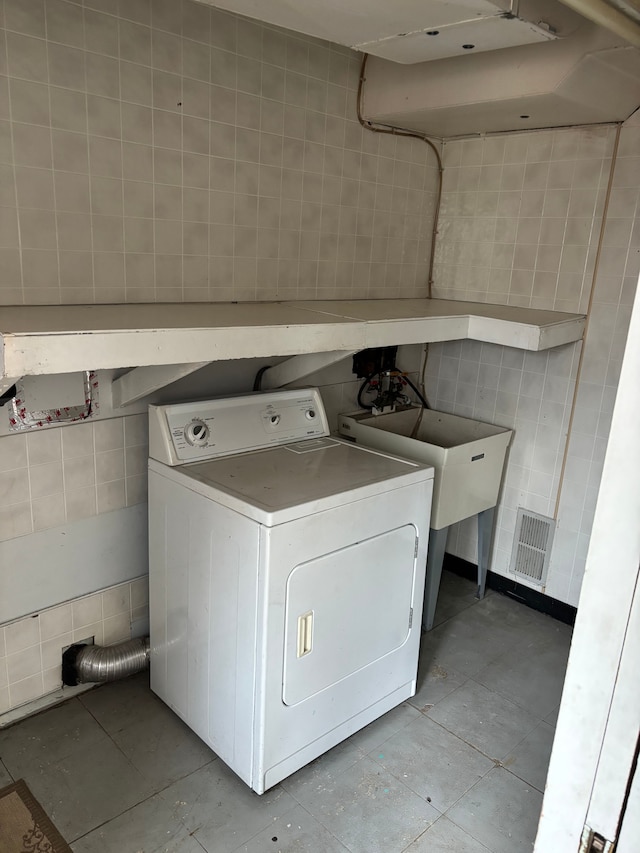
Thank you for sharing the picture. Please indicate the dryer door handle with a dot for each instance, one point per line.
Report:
(305, 633)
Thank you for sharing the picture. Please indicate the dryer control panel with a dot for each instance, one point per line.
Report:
(190, 432)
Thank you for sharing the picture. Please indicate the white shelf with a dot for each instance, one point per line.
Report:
(65, 338)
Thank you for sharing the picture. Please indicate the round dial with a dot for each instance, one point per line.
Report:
(196, 433)
(310, 414)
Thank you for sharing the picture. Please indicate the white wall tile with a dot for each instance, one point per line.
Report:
(95, 630)
(111, 496)
(31, 666)
(51, 679)
(77, 440)
(24, 664)
(44, 446)
(87, 611)
(136, 489)
(139, 593)
(117, 628)
(116, 600)
(46, 479)
(109, 466)
(25, 690)
(80, 503)
(109, 434)
(21, 635)
(13, 452)
(47, 512)
(104, 84)
(544, 242)
(15, 520)
(55, 622)
(52, 650)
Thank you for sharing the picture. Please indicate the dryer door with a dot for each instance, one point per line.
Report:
(347, 609)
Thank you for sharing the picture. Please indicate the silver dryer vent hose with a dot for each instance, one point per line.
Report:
(107, 663)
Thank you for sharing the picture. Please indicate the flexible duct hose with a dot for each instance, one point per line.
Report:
(82, 664)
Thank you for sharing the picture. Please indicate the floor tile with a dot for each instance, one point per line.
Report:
(511, 613)
(295, 832)
(485, 719)
(432, 762)
(380, 730)
(368, 809)
(532, 675)
(86, 788)
(150, 827)
(165, 751)
(501, 812)
(5, 776)
(322, 772)
(220, 811)
(57, 753)
(153, 738)
(445, 837)
(465, 644)
(49, 736)
(116, 705)
(434, 683)
(530, 759)
(552, 718)
(455, 595)
(98, 763)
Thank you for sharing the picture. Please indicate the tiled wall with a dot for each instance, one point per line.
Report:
(614, 291)
(164, 150)
(52, 476)
(521, 219)
(31, 648)
(161, 150)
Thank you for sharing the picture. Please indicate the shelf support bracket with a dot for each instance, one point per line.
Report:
(300, 366)
(7, 383)
(142, 381)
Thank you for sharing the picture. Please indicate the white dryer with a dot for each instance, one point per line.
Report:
(286, 578)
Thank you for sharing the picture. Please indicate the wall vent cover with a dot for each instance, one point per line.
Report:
(532, 546)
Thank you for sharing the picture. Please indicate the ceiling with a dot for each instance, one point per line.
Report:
(410, 31)
(458, 67)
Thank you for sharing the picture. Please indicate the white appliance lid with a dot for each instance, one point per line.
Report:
(279, 480)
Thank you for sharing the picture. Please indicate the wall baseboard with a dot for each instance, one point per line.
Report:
(531, 597)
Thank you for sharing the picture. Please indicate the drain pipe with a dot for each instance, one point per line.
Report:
(82, 664)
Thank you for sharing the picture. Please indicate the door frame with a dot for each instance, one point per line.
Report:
(604, 613)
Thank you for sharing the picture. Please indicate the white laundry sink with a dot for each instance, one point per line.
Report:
(467, 455)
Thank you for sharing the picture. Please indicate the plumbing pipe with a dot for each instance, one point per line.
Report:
(609, 17)
(83, 663)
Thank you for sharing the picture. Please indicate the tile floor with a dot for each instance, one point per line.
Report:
(458, 769)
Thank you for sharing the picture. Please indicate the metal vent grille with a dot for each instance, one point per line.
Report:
(532, 546)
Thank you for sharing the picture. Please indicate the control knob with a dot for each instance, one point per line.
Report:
(196, 433)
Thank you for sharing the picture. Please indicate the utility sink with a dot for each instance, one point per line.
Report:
(467, 455)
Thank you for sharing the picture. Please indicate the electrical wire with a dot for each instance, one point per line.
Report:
(257, 382)
(375, 127)
(416, 390)
(361, 389)
(423, 370)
